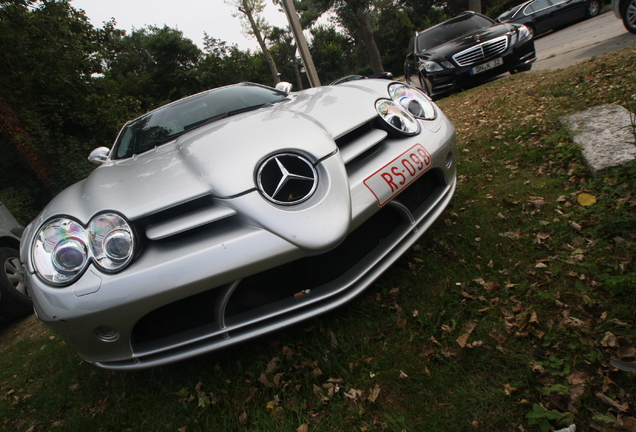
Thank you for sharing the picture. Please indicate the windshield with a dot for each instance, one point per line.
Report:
(451, 29)
(169, 122)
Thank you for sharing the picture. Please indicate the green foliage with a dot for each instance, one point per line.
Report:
(542, 417)
(332, 53)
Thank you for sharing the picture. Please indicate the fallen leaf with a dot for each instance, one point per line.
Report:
(373, 394)
(509, 389)
(272, 366)
(263, 380)
(498, 337)
(302, 428)
(514, 235)
(586, 199)
(287, 352)
(611, 402)
(243, 419)
(463, 339)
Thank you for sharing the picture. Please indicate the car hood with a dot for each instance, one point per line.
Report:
(220, 159)
(454, 46)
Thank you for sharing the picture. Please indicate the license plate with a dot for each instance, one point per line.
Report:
(486, 66)
(394, 177)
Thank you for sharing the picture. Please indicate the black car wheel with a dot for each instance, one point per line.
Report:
(628, 12)
(593, 8)
(14, 296)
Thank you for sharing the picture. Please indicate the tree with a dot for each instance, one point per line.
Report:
(255, 25)
(154, 65)
(355, 16)
(223, 65)
(332, 53)
(51, 102)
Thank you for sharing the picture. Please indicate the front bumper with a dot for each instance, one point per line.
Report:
(223, 283)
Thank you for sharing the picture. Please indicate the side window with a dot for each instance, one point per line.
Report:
(540, 4)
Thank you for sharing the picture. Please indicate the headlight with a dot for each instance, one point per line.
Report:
(430, 66)
(111, 241)
(524, 33)
(396, 118)
(413, 100)
(62, 247)
(513, 38)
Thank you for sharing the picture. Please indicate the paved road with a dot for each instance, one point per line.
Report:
(589, 38)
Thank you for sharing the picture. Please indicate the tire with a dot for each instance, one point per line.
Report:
(593, 8)
(15, 300)
(628, 12)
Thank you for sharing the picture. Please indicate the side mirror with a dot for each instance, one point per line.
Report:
(99, 155)
(284, 86)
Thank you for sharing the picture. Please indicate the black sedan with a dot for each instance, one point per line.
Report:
(466, 50)
(541, 16)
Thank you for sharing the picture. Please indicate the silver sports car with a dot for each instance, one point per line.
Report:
(234, 212)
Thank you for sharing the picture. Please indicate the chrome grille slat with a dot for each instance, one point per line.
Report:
(482, 52)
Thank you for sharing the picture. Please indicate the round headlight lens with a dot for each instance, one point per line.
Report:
(60, 251)
(69, 256)
(63, 248)
(413, 100)
(111, 241)
(396, 117)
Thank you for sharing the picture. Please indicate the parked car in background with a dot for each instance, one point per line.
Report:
(541, 16)
(626, 10)
(466, 50)
(235, 212)
(14, 296)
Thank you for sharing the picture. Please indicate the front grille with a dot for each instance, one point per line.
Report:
(414, 195)
(312, 272)
(482, 52)
(283, 282)
(182, 315)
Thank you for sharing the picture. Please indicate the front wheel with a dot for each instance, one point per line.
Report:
(14, 296)
(593, 8)
(628, 12)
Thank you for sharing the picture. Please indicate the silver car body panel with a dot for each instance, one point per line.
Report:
(238, 234)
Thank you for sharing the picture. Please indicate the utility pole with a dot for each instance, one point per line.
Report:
(301, 42)
(474, 5)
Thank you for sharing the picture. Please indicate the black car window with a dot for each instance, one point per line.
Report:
(508, 14)
(177, 118)
(451, 29)
(537, 6)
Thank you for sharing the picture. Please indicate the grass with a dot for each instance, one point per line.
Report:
(504, 317)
